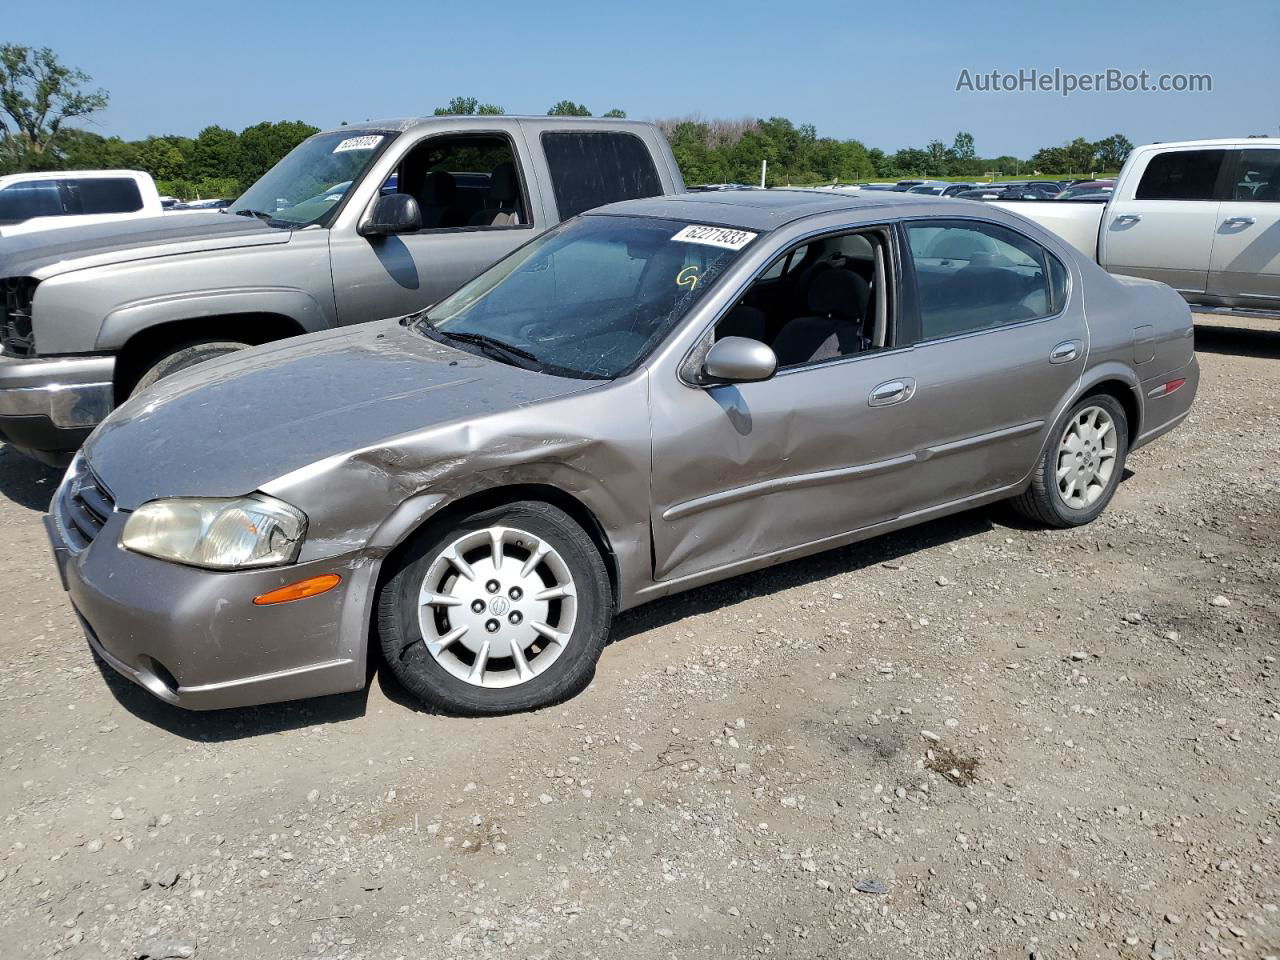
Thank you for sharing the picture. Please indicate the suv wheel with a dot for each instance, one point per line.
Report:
(506, 610)
(183, 357)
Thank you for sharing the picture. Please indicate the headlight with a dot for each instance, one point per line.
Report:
(253, 531)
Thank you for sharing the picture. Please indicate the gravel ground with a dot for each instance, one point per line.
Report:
(969, 739)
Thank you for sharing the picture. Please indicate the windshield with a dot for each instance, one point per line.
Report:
(590, 299)
(307, 184)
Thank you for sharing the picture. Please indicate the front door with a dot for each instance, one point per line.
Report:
(1163, 229)
(1245, 267)
(472, 193)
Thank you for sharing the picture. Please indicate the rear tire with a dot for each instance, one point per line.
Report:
(184, 357)
(1081, 466)
(470, 635)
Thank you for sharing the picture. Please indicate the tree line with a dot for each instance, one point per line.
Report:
(39, 95)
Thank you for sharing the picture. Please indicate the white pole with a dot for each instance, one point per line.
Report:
(764, 166)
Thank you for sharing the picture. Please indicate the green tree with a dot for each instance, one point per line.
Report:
(263, 144)
(1113, 151)
(215, 153)
(567, 108)
(964, 156)
(468, 107)
(616, 114)
(162, 158)
(37, 96)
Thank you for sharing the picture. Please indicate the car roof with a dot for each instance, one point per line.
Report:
(764, 210)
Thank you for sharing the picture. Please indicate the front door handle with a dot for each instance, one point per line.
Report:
(892, 391)
(1065, 352)
(1239, 221)
(1129, 218)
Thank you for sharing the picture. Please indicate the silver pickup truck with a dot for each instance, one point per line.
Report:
(1202, 216)
(355, 224)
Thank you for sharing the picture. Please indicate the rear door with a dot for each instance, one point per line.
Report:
(1245, 266)
(1160, 223)
(1000, 340)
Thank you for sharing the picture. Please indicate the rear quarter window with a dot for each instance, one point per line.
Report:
(590, 169)
(106, 195)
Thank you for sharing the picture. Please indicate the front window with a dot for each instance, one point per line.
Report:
(590, 299)
(306, 186)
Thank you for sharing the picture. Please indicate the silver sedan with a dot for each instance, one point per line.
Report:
(656, 395)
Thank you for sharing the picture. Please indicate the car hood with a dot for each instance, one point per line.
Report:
(230, 426)
(46, 253)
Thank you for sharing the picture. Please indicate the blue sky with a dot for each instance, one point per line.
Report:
(884, 73)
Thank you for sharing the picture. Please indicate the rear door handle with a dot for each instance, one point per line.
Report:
(892, 391)
(1065, 352)
(1239, 221)
(1129, 218)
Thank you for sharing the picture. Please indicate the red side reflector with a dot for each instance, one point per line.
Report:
(312, 586)
(1173, 385)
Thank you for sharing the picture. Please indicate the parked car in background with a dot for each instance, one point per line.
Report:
(902, 186)
(1201, 215)
(94, 314)
(942, 189)
(31, 202)
(1085, 189)
(656, 395)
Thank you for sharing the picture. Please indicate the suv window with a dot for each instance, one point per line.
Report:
(976, 276)
(591, 169)
(464, 181)
(1256, 176)
(34, 198)
(103, 195)
(1181, 175)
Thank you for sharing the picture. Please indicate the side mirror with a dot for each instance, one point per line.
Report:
(739, 360)
(392, 213)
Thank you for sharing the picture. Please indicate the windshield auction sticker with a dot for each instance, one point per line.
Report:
(358, 143)
(715, 236)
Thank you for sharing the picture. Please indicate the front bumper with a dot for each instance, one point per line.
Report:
(193, 637)
(48, 406)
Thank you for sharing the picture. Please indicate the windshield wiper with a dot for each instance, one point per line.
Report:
(264, 217)
(491, 345)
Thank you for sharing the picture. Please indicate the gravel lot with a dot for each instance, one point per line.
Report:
(969, 739)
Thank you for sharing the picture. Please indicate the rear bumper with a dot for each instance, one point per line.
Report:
(194, 638)
(48, 406)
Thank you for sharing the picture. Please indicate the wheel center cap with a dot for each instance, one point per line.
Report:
(499, 605)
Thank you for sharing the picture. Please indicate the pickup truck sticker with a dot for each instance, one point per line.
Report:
(725, 237)
(359, 143)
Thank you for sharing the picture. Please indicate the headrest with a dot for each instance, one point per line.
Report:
(439, 189)
(839, 291)
(504, 189)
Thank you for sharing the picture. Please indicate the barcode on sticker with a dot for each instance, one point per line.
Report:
(358, 143)
(725, 237)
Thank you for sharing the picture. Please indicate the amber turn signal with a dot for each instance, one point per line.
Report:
(310, 587)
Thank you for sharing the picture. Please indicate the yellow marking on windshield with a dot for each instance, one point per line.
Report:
(688, 277)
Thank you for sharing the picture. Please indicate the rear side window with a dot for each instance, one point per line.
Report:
(977, 276)
(1181, 175)
(591, 169)
(1256, 176)
(103, 195)
(34, 198)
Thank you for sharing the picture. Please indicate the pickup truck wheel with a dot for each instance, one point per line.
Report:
(188, 355)
(1081, 466)
(503, 611)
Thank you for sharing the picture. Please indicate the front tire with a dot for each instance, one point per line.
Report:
(183, 357)
(1080, 469)
(503, 611)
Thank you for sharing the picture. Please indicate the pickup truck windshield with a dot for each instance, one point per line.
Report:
(305, 187)
(590, 299)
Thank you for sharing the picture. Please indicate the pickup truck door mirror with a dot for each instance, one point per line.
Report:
(738, 360)
(392, 213)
